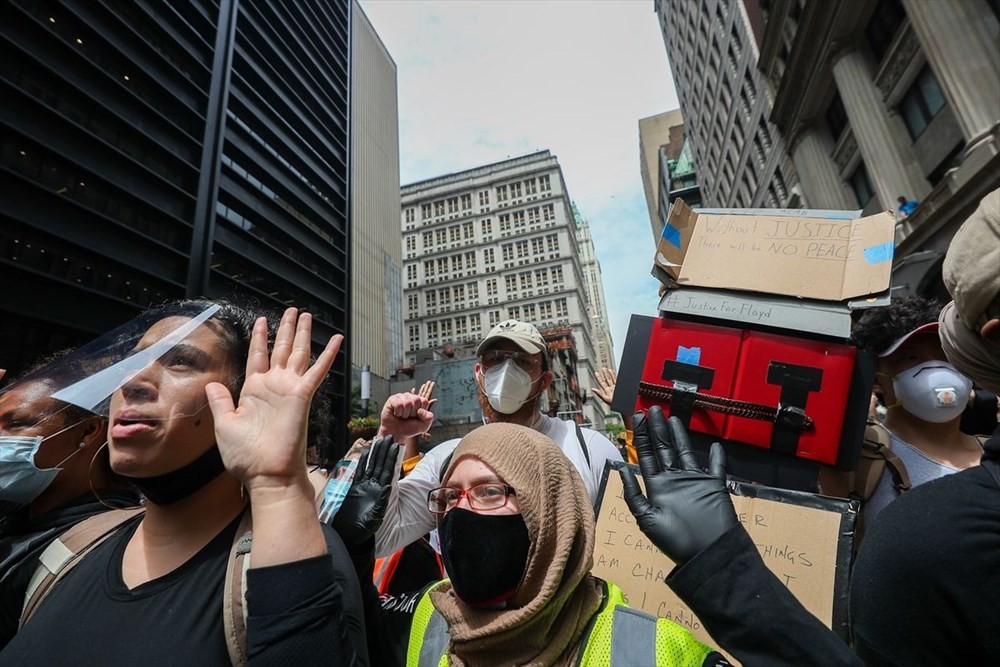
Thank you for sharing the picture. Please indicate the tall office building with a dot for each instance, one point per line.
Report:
(157, 149)
(600, 327)
(491, 243)
(739, 156)
(376, 244)
(887, 98)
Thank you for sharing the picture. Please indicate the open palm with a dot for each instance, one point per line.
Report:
(263, 439)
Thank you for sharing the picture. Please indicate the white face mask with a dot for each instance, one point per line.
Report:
(507, 387)
(933, 391)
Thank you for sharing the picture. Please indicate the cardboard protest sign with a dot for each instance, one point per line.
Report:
(805, 539)
(832, 255)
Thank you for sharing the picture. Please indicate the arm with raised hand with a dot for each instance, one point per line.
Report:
(689, 515)
(297, 609)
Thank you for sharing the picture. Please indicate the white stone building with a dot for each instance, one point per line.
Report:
(492, 243)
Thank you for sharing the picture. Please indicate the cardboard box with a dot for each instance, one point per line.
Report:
(805, 539)
(827, 255)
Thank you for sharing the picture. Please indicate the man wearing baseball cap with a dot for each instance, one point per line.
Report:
(924, 397)
(926, 583)
(512, 374)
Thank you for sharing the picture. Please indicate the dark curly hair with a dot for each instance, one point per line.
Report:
(879, 327)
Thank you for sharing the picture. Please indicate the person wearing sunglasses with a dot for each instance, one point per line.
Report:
(512, 377)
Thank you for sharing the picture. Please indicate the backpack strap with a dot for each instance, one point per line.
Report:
(876, 457)
(234, 611)
(64, 552)
(583, 443)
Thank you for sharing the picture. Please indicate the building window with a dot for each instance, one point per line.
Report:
(530, 186)
(454, 233)
(526, 280)
(514, 312)
(411, 243)
(557, 275)
(432, 300)
(543, 183)
(411, 272)
(501, 193)
(533, 216)
(552, 241)
(537, 246)
(439, 208)
(508, 251)
(411, 214)
(836, 118)
(453, 204)
(412, 301)
(470, 260)
(861, 183)
(487, 227)
(440, 236)
(504, 222)
(561, 308)
(883, 25)
(491, 287)
(548, 212)
(475, 325)
(494, 318)
(510, 284)
(515, 190)
(518, 219)
(488, 256)
(484, 198)
(425, 211)
(466, 202)
(921, 102)
(468, 230)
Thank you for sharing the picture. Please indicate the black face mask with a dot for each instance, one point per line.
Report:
(181, 483)
(484, 554)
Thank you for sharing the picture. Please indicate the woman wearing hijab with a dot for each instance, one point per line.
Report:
(517, 541)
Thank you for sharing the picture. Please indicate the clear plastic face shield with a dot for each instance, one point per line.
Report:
(146, 378)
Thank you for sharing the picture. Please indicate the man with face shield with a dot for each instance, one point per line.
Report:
(511, 376)
(926, 583)
(54, 472)
(924, 395)
(208, 422)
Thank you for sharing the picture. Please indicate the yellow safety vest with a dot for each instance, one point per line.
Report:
(618, 636)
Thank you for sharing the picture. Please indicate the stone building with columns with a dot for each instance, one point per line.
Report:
(878, 99)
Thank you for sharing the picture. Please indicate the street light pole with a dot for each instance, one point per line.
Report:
(366, 388)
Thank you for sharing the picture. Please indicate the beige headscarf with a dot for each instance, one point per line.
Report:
(544, 622)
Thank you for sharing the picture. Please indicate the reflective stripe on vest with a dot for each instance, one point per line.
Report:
(618, 636)
(428, 644)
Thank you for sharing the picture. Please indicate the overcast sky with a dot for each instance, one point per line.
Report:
(480, 81)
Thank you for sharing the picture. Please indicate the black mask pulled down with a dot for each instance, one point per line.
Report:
(484, 554)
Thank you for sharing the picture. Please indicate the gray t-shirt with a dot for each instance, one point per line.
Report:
(920, 467)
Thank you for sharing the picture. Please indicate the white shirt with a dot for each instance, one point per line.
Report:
(407, 517)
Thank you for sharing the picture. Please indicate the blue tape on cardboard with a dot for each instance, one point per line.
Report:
(877, 254)
(672, 234)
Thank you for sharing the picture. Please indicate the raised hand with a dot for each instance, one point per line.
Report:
(406, 415)
(263, 439)
(607, 380)
(685, 510)
(363, 509)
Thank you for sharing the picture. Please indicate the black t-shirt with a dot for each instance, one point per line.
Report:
(296, 611)
(926, 584)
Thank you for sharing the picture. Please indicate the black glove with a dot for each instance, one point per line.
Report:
(363, 509)
(687, 510)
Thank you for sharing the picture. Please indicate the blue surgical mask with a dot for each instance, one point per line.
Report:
(21, 481)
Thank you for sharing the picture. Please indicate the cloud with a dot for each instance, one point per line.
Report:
(481, 81)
